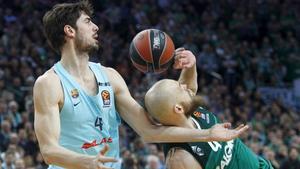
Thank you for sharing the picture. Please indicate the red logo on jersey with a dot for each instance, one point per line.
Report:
(197, 114)
(94, 143)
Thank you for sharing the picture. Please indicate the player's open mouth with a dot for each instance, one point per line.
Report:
(96, 37)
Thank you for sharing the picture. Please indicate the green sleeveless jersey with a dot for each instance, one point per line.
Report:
(233, 154)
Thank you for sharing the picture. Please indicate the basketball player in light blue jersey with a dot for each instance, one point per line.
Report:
(78, 103)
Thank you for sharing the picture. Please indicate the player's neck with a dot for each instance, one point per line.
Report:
(75, 62)
(186, 123)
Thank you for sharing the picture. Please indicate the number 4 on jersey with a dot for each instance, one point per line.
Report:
(99, 123)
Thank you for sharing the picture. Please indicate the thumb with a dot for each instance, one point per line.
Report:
(104, 149)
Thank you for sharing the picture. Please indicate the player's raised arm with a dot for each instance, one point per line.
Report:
(135, 116)
(186, 60)
(47, 97)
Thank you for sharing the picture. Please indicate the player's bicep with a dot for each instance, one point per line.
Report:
(46, 119)
(178, 158)
(132, 112)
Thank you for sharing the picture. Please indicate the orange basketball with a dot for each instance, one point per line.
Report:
(152, 50)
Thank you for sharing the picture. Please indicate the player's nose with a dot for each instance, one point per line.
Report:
(95, 28)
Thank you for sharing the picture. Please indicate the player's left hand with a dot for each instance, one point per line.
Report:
(184, 59)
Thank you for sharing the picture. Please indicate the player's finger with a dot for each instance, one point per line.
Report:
(179, 55)
(243, 129)
(101, 166)
(187, 64)
(226, 125)
(177, 65)
(104, 149)
(183, 60)
(104, 159)
(240, 126)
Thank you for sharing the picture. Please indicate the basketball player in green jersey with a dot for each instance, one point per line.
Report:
(174, 103)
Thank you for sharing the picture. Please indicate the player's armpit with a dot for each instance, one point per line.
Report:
(178, 158)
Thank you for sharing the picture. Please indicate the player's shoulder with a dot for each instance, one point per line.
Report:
(113, 74)
(48, 80)
(110, 70)
(115, 79)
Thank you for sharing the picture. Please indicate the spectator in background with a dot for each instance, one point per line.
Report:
(4, 134)
(14, 114)
(292, 161)
(9, 160)
(152, 162)
(19, 164)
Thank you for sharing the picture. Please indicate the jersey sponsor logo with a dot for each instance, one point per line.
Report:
(104, 84)
(94, 143)
(227, 156)
(198, 150)
(105, 97)
(214, 145)
(76, 104)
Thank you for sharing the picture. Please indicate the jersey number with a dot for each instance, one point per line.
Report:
(215, 146)
(99, 123)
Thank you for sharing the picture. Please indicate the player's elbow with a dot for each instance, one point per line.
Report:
(48, 155)
(151, 135)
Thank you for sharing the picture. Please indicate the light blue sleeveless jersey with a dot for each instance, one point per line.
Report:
(88, 122)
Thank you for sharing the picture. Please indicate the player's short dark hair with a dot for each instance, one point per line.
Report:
(60, 15)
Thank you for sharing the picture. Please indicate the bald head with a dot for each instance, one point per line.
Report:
(169, 102)
(161, 98)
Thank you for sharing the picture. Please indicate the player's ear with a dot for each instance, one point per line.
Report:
(69, 31)
(178, 109)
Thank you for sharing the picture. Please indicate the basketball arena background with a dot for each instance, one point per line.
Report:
(247, 58)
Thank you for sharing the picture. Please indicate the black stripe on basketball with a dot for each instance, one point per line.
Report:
(157, 38)
(135, 56)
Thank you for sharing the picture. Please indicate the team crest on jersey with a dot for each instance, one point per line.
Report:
(105, 97)
(75, 97)
(197, 114)
(74, 93)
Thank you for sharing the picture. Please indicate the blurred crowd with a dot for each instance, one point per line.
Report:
(240, 46)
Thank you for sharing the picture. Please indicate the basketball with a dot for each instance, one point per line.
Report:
(152, 50)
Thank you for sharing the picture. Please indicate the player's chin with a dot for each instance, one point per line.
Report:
(96, 45)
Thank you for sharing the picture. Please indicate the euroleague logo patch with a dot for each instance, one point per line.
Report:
(75, 97)
(105, 98)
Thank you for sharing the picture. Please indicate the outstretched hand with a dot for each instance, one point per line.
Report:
(101, 159)
(222, 132)
(184, 59)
